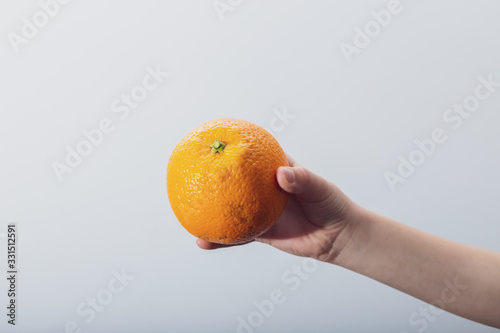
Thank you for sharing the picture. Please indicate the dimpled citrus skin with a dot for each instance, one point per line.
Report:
(226, 197)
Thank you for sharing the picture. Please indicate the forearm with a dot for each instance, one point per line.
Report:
(464, 280)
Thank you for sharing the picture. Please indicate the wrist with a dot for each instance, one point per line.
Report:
(351, 242)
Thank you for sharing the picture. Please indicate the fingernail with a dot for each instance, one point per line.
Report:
(289, 175)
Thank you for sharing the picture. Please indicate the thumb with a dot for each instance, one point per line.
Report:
(307, 185)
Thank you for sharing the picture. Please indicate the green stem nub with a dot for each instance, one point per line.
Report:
(217, 146)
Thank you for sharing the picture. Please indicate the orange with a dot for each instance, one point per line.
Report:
(221, 181)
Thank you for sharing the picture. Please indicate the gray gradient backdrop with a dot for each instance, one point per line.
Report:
(352, 120)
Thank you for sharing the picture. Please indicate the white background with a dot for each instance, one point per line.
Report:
(352, 121)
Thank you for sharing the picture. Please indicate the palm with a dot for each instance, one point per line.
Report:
(310, 222)
(305, 229)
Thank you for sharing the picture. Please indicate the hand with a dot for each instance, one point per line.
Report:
(322, 223)
(316, 214)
